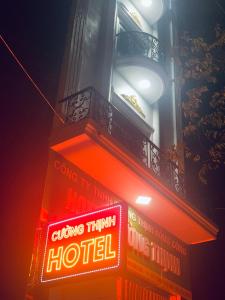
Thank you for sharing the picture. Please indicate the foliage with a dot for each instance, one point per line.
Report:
(203, 82)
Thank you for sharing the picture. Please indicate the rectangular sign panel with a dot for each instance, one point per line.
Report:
(83, 244)
(156, 255)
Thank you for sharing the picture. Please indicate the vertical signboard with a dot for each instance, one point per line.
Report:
(156, 255)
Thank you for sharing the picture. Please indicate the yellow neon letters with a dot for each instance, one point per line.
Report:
(99, 248)
(54, 259)
(87, 251)
(70, 260)
(109, 254)
(86, 246)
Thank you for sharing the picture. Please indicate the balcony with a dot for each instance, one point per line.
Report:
(138, 43)
(138, 60)
(99, 140)
(89, 104)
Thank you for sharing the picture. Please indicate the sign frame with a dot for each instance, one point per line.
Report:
(120, 249)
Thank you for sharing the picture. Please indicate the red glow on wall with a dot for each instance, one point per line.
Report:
(82, 245)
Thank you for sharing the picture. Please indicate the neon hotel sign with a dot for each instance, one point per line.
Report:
(82, 245)
(91, 243)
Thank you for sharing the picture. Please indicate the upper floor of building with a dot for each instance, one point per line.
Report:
(121, 107)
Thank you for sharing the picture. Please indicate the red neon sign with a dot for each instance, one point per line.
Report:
(82, 245)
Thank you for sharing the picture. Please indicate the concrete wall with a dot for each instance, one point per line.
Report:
(169, 104)
(98, 45)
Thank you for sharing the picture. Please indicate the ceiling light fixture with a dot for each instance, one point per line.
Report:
(146, 3)
(143, 200)
(144, 84)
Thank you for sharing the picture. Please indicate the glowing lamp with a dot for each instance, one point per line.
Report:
(146, 3)
(143, 200)
(144, 84)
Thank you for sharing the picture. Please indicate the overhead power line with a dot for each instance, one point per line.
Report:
(220, 7)
(12, 53)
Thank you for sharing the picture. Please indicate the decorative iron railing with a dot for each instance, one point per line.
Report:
(138, 43)
(89, 104)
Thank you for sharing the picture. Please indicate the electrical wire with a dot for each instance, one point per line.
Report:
(30, 79)
(220, 7)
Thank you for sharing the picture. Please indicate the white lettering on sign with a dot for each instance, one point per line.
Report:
(96, 225)
(153, 251)
(68, 231)
(137, 241)
(157, 232)
(100, 224)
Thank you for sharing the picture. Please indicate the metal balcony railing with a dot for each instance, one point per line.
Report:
(138, 43)
(90, 105)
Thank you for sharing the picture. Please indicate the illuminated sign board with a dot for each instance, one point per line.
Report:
(156, 255)
(83, 244)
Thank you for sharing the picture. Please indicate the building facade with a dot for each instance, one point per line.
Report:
(114, 222)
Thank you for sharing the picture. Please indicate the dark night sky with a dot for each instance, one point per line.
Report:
(208, 261)
(36, 30)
